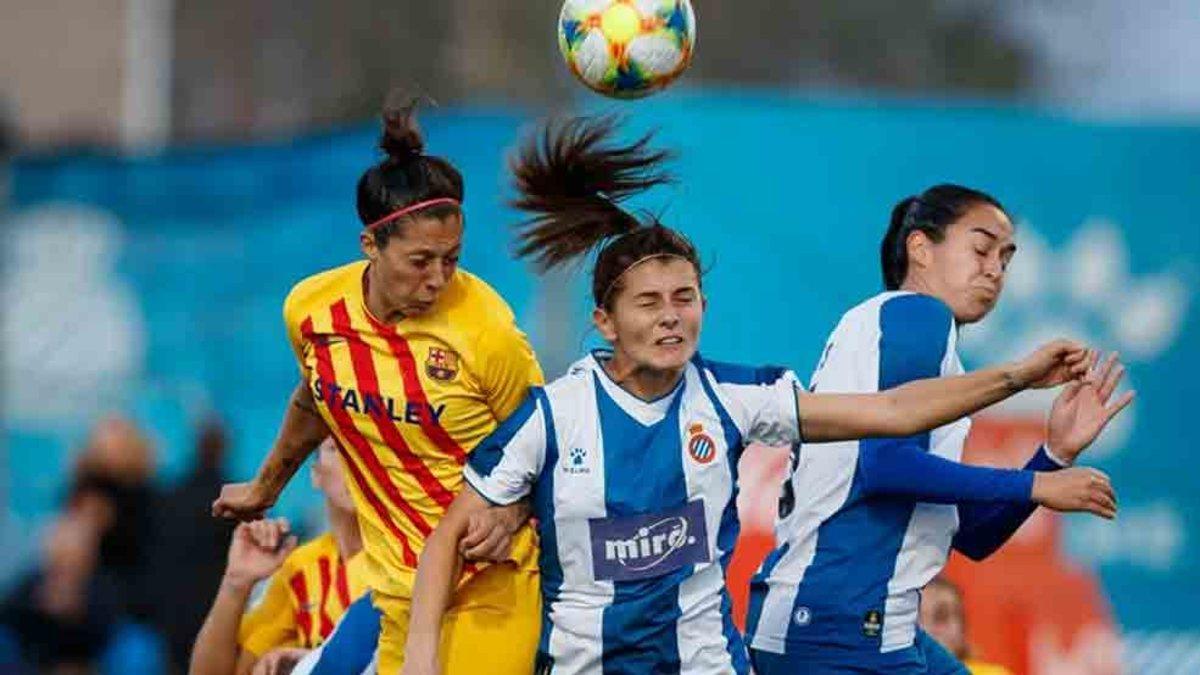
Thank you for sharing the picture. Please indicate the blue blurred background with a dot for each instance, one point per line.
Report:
(145, 262)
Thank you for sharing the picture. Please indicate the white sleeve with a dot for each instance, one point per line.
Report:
(765, 408)
(504, 466)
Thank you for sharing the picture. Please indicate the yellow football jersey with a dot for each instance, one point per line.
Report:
(304, 599)
(407, 402)
(981, 668)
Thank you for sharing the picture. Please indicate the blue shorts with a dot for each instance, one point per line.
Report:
(924, 657)
(350, 650)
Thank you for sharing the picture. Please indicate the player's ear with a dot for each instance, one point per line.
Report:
(919, 246)
(367, 243)
(604, 323)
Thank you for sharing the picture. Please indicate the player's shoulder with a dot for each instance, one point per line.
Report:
(309, 553)
(725, 372)
(474, 304)
(912, 308)
(322, 289)
(479, 297)
(896, 312)
(578, 379)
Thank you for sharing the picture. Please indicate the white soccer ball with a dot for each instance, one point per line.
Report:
(627, 48)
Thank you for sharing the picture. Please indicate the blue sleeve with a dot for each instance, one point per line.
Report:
(907, 470)
(914, 333)
(983, 528)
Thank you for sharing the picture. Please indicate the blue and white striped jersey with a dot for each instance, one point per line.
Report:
(847, 569)
(635, 503)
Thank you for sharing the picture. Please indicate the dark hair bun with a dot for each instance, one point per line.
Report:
(402, 140)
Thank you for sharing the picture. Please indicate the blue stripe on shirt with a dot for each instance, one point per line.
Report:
(858, 545)
(639, 627)
(488, 453)
(543, 508)
(730, 526)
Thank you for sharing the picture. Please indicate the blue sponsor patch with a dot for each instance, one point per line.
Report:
(649, 545)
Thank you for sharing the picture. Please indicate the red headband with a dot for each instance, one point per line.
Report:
(447, 201)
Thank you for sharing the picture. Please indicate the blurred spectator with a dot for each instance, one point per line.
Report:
(191, 545)
(78, 611)
(64, 614)
(118, 461)
(942, 617)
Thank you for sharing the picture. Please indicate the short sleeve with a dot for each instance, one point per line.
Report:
(270, 623)
(762, 401)
(509, 368)
(504, 466)
(914, 336)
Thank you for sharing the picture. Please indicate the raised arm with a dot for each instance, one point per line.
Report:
(257, 551)
(302, 431)
(926, 404)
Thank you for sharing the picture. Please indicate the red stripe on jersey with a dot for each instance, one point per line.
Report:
(410, 558)
(368, 383)
(416, 394)
(343, 588)
(326, 586)
(363, 449)
(303, 613)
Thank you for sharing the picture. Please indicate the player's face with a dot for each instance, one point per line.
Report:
(966, 269)
(329, 476)
(656, 315)
(417, 262)
(942, 617)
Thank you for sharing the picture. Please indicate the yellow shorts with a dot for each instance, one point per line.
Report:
(492, 627)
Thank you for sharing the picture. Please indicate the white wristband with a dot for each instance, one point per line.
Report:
(1053, 457)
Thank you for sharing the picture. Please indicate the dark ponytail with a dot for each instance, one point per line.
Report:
(931, 212)
(406, 176)
(572, 179)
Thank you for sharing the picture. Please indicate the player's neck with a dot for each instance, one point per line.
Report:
(644, 383)
(377, 304)
(917, 284)
(344, 527)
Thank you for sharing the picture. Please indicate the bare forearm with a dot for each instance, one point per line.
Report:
(432, 591)
(302, 431)
(927, 404)
(911, 408)
(216, 648)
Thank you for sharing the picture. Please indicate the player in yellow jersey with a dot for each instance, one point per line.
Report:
(310, 586)
(942, 616)
(409, 362)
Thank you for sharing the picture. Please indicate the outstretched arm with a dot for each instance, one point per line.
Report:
(1078, 416)
(302, 431)
(926, 404)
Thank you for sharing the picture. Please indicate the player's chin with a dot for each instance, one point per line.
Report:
(976, 309)
(672, 356)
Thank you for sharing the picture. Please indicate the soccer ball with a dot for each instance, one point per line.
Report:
(627, 48)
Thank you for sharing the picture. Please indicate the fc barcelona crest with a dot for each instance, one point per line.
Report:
(442, 364)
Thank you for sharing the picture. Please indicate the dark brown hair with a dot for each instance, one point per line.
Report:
(572, 179)
(406, 176)
(930, 212)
